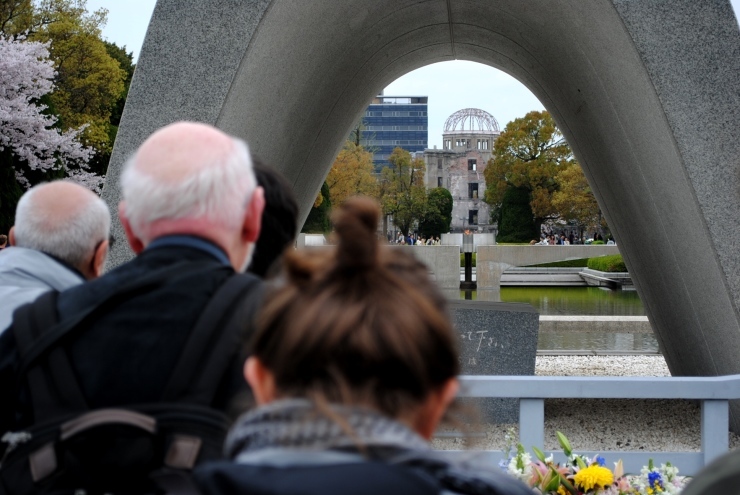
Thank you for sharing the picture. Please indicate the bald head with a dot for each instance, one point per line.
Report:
(55, 203)
(62, 219)
(182, 150)
(188, 178)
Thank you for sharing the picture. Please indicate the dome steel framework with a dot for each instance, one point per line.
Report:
(471, 120)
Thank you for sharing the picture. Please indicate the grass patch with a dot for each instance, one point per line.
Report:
(612, 263)
(579, 263)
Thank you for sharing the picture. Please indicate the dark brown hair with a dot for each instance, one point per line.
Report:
(363, 325)
(279, 219)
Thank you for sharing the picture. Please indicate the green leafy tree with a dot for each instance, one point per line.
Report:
(99, 162)
(126, 62)
(89, 82)
(528, 155)
(574, 199)
(438, 213)
(515, 220)
(318, 221)
(402, 191)
(16, 16)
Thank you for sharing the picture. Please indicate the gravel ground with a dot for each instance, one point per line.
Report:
(604, 424)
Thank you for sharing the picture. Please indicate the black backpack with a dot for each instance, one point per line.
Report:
(125, 450)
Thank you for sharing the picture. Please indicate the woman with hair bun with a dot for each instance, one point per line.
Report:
(353, 365)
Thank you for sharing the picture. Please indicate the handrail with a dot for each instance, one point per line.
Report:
(725, 387)
(713, 392)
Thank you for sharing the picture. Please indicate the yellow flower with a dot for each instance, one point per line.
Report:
(592, 477)
(562, 490)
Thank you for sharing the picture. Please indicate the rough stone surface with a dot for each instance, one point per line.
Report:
(621, 324)
(645, 93)
(443, 263)
(496, 339)
(187, 64)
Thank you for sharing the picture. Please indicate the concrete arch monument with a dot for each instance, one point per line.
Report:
(645, 91)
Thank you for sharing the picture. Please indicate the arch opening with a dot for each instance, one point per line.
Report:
(635, 87)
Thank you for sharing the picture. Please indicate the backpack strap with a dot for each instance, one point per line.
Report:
(53, 387)
(52, 382)
(213, 341)
(72, 326)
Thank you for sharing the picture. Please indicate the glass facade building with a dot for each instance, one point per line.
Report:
(395, 121)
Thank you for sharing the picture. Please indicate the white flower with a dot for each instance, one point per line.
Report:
(521, 459)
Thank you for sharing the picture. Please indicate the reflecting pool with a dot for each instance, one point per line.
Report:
(573, 300)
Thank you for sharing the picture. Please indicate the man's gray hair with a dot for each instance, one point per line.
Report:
(217, 193)
(68, 236)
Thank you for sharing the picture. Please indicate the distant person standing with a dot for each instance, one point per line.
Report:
(3, 241)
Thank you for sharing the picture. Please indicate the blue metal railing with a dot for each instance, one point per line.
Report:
(713, 393)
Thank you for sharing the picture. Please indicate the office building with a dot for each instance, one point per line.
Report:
(395, 121)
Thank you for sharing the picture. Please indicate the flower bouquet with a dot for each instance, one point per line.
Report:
(581, 475)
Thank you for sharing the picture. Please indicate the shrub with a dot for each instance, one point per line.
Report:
(613, 263)
(597, 243)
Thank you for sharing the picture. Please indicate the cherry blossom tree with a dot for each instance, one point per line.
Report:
(37, 148)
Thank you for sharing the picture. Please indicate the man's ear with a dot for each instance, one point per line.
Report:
(136, 244)
(253, 216)
(11, 236)
(98, 259)
(260, 379)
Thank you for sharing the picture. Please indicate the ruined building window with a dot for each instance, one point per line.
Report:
(439, 181)
(472, 164)
(439, 163)
(473, 217)
(483, 144)
(448, 144)
(473, 190)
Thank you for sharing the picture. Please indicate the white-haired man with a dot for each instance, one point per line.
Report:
(60, 239)
(156, 329)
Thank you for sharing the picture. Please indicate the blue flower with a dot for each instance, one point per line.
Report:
(655, 479)
(600, 460)
(504, 463)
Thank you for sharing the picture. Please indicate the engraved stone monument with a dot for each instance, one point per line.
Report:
(496, 339)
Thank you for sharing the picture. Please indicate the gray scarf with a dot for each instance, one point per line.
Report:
(297, 424)
(294, 432)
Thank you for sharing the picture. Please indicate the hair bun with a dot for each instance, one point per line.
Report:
(356, 223)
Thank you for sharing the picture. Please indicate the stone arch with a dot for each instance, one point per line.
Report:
(645, 92)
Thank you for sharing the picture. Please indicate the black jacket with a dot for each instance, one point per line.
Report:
(289, 447)
(127, 356)
(337, 477)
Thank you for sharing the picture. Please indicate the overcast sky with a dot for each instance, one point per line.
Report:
(450, 86)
